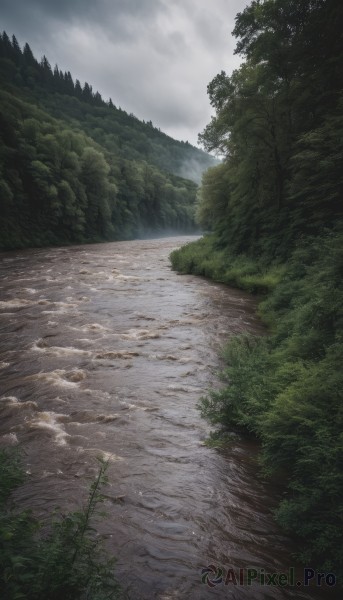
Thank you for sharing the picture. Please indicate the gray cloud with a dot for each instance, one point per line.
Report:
(118, 17)
(152, 57)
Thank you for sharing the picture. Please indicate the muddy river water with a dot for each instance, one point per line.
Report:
(105, 351)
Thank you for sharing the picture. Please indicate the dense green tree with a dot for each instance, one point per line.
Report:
(266, 115)
(28, 55)
(74, 168)
(274, 207)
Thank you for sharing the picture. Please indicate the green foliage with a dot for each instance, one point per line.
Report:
(11, 474)
(281, 177)
(76, 169)
(274, 209)
(67, 562)
(286, 388)
(208, 258)
(220, 439)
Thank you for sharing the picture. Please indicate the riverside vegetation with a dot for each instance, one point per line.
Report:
(273, 210)
(74, 168)
(67, 561)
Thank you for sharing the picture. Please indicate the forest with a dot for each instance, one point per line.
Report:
(74, 168)
(273, 213)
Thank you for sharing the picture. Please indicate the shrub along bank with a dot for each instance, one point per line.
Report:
(286, 387)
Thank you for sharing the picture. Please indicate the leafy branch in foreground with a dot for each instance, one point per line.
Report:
(69, 562)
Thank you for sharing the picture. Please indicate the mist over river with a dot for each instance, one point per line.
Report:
(105, 351)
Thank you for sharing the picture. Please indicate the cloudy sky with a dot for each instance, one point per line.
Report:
(152, 57)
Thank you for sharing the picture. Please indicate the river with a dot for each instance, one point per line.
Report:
(105, 351)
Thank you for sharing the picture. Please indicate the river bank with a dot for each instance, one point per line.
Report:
(285, 387)
(106, 351)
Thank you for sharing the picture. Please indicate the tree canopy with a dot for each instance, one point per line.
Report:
(75, 168)
(274, 207)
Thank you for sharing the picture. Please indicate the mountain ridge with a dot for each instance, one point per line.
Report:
(75, 169)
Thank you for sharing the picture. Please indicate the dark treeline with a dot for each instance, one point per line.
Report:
(274, 207)
(74, 168)
(279, 122)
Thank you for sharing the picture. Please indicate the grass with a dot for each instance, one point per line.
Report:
(286, 387)
(203, 257)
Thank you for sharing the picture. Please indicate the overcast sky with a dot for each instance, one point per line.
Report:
(152, 57)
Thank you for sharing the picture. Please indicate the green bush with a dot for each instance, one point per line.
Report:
(286, 387)
(68, 562)
(205, 257)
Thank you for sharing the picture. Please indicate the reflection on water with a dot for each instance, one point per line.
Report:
(106, 351)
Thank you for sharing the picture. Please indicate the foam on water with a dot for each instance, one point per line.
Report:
(9, 399)
(13, 402)
(132, 406)
(94, 327)
(61, 377)
(51, 421)
(69, 304)
(41, 346)
(183, 388)
(97, 394)
(15, 303)
(89, 327)
(107, 456)
(140, 334)
(129, 277)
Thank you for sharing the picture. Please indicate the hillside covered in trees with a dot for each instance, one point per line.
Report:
(75, 168)
(274, 209)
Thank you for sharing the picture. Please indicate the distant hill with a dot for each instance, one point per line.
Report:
(75, 168)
